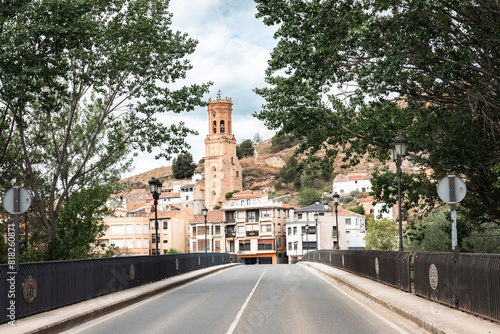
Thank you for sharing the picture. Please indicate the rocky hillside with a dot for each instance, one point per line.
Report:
(260, 172)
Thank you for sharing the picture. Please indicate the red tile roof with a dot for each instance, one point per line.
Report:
(214, 216)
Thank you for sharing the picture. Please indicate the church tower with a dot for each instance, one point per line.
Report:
(222, 168)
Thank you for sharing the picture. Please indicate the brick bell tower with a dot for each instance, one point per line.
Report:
(222, 168)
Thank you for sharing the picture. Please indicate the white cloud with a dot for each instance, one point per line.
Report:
(233, 51)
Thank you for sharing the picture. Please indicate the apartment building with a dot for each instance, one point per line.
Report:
(256, 227)
(172, 229)
(209, 234)
(131, 234)
(315, 227)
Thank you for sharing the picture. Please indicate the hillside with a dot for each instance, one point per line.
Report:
(261, 172)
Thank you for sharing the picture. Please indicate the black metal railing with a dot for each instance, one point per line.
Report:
(469, 282)
(60, 283)
(391, 268)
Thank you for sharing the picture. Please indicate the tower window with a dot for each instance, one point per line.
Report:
(222, 127)
(215, 127)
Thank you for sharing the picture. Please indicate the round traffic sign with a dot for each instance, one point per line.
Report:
(10, 198)
(444, 189)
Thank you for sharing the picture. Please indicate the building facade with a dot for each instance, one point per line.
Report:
(223, 172)
(130, 234)
(207, 236)
(344, 184)
(172, 229)
(256, 228)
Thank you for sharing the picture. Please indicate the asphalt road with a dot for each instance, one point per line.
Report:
(252, 299)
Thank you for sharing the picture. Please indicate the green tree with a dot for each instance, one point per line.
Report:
(280, 143)
(308, 196)
(84, 83)
(183, 166)
(289, 172)
(381, 234)
(356, 73)
(257, 138)
(245, 149)
(359, 209)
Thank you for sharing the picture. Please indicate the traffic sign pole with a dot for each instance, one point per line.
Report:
(453, 212)
(16, 226)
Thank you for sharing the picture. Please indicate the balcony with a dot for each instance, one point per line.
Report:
(254, 203)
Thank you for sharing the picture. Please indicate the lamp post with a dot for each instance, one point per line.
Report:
(336, 202)
(398, 153)
(307, 237)
(316, 217)
(204, 212)
(155, 188)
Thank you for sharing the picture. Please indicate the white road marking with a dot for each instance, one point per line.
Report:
(238, 316)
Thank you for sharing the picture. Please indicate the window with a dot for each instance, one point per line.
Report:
(289, 231)
(265, 213)
(145, 229)
(310, 230)
(266, 244)
(118, 242)
(117, 229)
(129, 229)
(294, 230)
(145, 243)
(295, 245)
(279, 227)
(252, 233)
(279, 242)
(334, 231)
(252, 215)
(217, 230)
(289, 246)
(130, 243)
(138, 243)
(266, 228)
(348, 221)
(309, 245)
(244, 245)
(277, 213)
(137, 229)
(165, 225)
(165, 241)
(299, 216)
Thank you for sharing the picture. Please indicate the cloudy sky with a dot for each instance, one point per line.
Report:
(232, 52)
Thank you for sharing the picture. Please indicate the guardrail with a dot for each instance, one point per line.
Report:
(469, 282)
(49, 285)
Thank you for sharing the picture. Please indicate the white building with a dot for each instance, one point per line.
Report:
(325, 233)
(344, 184)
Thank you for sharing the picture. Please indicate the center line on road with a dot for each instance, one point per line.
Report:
(238, 316)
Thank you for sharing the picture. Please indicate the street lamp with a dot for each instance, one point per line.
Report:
(398, 153)
(155, 188)
(336, 202)
(316, 217)
(204, 212)
(307, 237)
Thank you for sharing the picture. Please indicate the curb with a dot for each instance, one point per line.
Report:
(407, 314)
(106, 309)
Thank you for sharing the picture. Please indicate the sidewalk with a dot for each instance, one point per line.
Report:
(66, 317)
(432, 316)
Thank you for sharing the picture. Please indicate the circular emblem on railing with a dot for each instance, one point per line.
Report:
(342, 260)
(176, 264)
(131, 272)
(29, 289)
(377, 269)
(433, 276)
